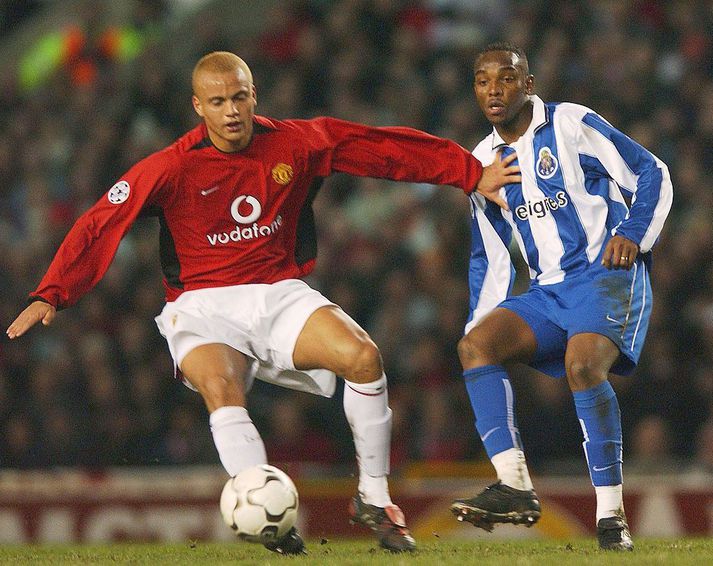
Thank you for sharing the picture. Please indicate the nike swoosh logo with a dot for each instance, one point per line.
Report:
(596, 469)
(610, 319)
(205, 192)
(487, 434)
(379, 391)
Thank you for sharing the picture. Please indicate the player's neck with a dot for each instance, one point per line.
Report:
(513, 130)
(228, 147)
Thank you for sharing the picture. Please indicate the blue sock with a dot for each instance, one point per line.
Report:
(599, 416)
(493, 403)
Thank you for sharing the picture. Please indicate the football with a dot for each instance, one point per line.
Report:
(260, 504)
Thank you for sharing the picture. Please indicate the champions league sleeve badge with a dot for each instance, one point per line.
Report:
(547, 163)
(119, 192)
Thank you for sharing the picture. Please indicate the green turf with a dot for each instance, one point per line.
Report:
(441, 553)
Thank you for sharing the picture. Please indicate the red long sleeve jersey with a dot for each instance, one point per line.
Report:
(243, 217)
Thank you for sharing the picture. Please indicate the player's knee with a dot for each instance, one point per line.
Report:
(584, 374)
(362, 361)
(220, 390)
(474, 352)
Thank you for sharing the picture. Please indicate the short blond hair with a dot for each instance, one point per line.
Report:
(220, 62)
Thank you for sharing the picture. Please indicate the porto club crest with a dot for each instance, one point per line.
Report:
(547, 163)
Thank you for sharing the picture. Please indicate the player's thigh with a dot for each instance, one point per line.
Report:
(588, 359)
(331, 339)
(501, 337)
(218, 372)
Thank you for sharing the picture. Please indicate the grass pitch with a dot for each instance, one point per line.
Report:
(351, 553)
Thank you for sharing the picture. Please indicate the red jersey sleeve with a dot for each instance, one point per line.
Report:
(90, 245)
(397, 153)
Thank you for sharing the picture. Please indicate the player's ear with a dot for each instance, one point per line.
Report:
(530, 84)
(254, 94)
(197, 105)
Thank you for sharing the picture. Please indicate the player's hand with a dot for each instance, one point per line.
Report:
(497, 174)
(620, 253)
(36, 312)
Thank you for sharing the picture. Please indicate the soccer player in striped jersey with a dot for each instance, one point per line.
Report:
(590, 206)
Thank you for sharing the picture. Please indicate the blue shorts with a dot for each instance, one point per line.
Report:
(616, 304)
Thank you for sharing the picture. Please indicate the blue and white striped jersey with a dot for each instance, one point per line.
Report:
(576, 170)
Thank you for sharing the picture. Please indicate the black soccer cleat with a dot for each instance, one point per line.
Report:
(387, 522)
(499, 503)
(291, 543)
(613, 534)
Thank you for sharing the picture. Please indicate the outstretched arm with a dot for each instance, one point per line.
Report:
(405, 154)
(90, 245)
(36, 312)
(396, 153)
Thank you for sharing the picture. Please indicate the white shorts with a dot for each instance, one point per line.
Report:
(262, 321)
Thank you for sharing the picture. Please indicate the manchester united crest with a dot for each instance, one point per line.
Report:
(547, 163)
(282, 173)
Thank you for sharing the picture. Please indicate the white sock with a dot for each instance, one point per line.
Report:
(610, 501)
(511, 468)
(366, 406)
(237, 440)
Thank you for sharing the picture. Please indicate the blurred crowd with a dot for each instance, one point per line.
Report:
(96, 389)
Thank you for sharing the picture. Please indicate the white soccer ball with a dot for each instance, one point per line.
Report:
(260, 503)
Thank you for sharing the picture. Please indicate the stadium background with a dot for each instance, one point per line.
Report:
(88, 88)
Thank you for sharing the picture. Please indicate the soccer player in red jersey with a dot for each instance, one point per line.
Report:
(233, 197)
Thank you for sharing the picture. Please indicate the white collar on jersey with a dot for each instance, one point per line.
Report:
(539, 118)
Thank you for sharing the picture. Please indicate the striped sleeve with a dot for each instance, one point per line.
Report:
(635, 170)
(491, 273)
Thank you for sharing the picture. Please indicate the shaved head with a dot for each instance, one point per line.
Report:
(224, 96)
(221, 62)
